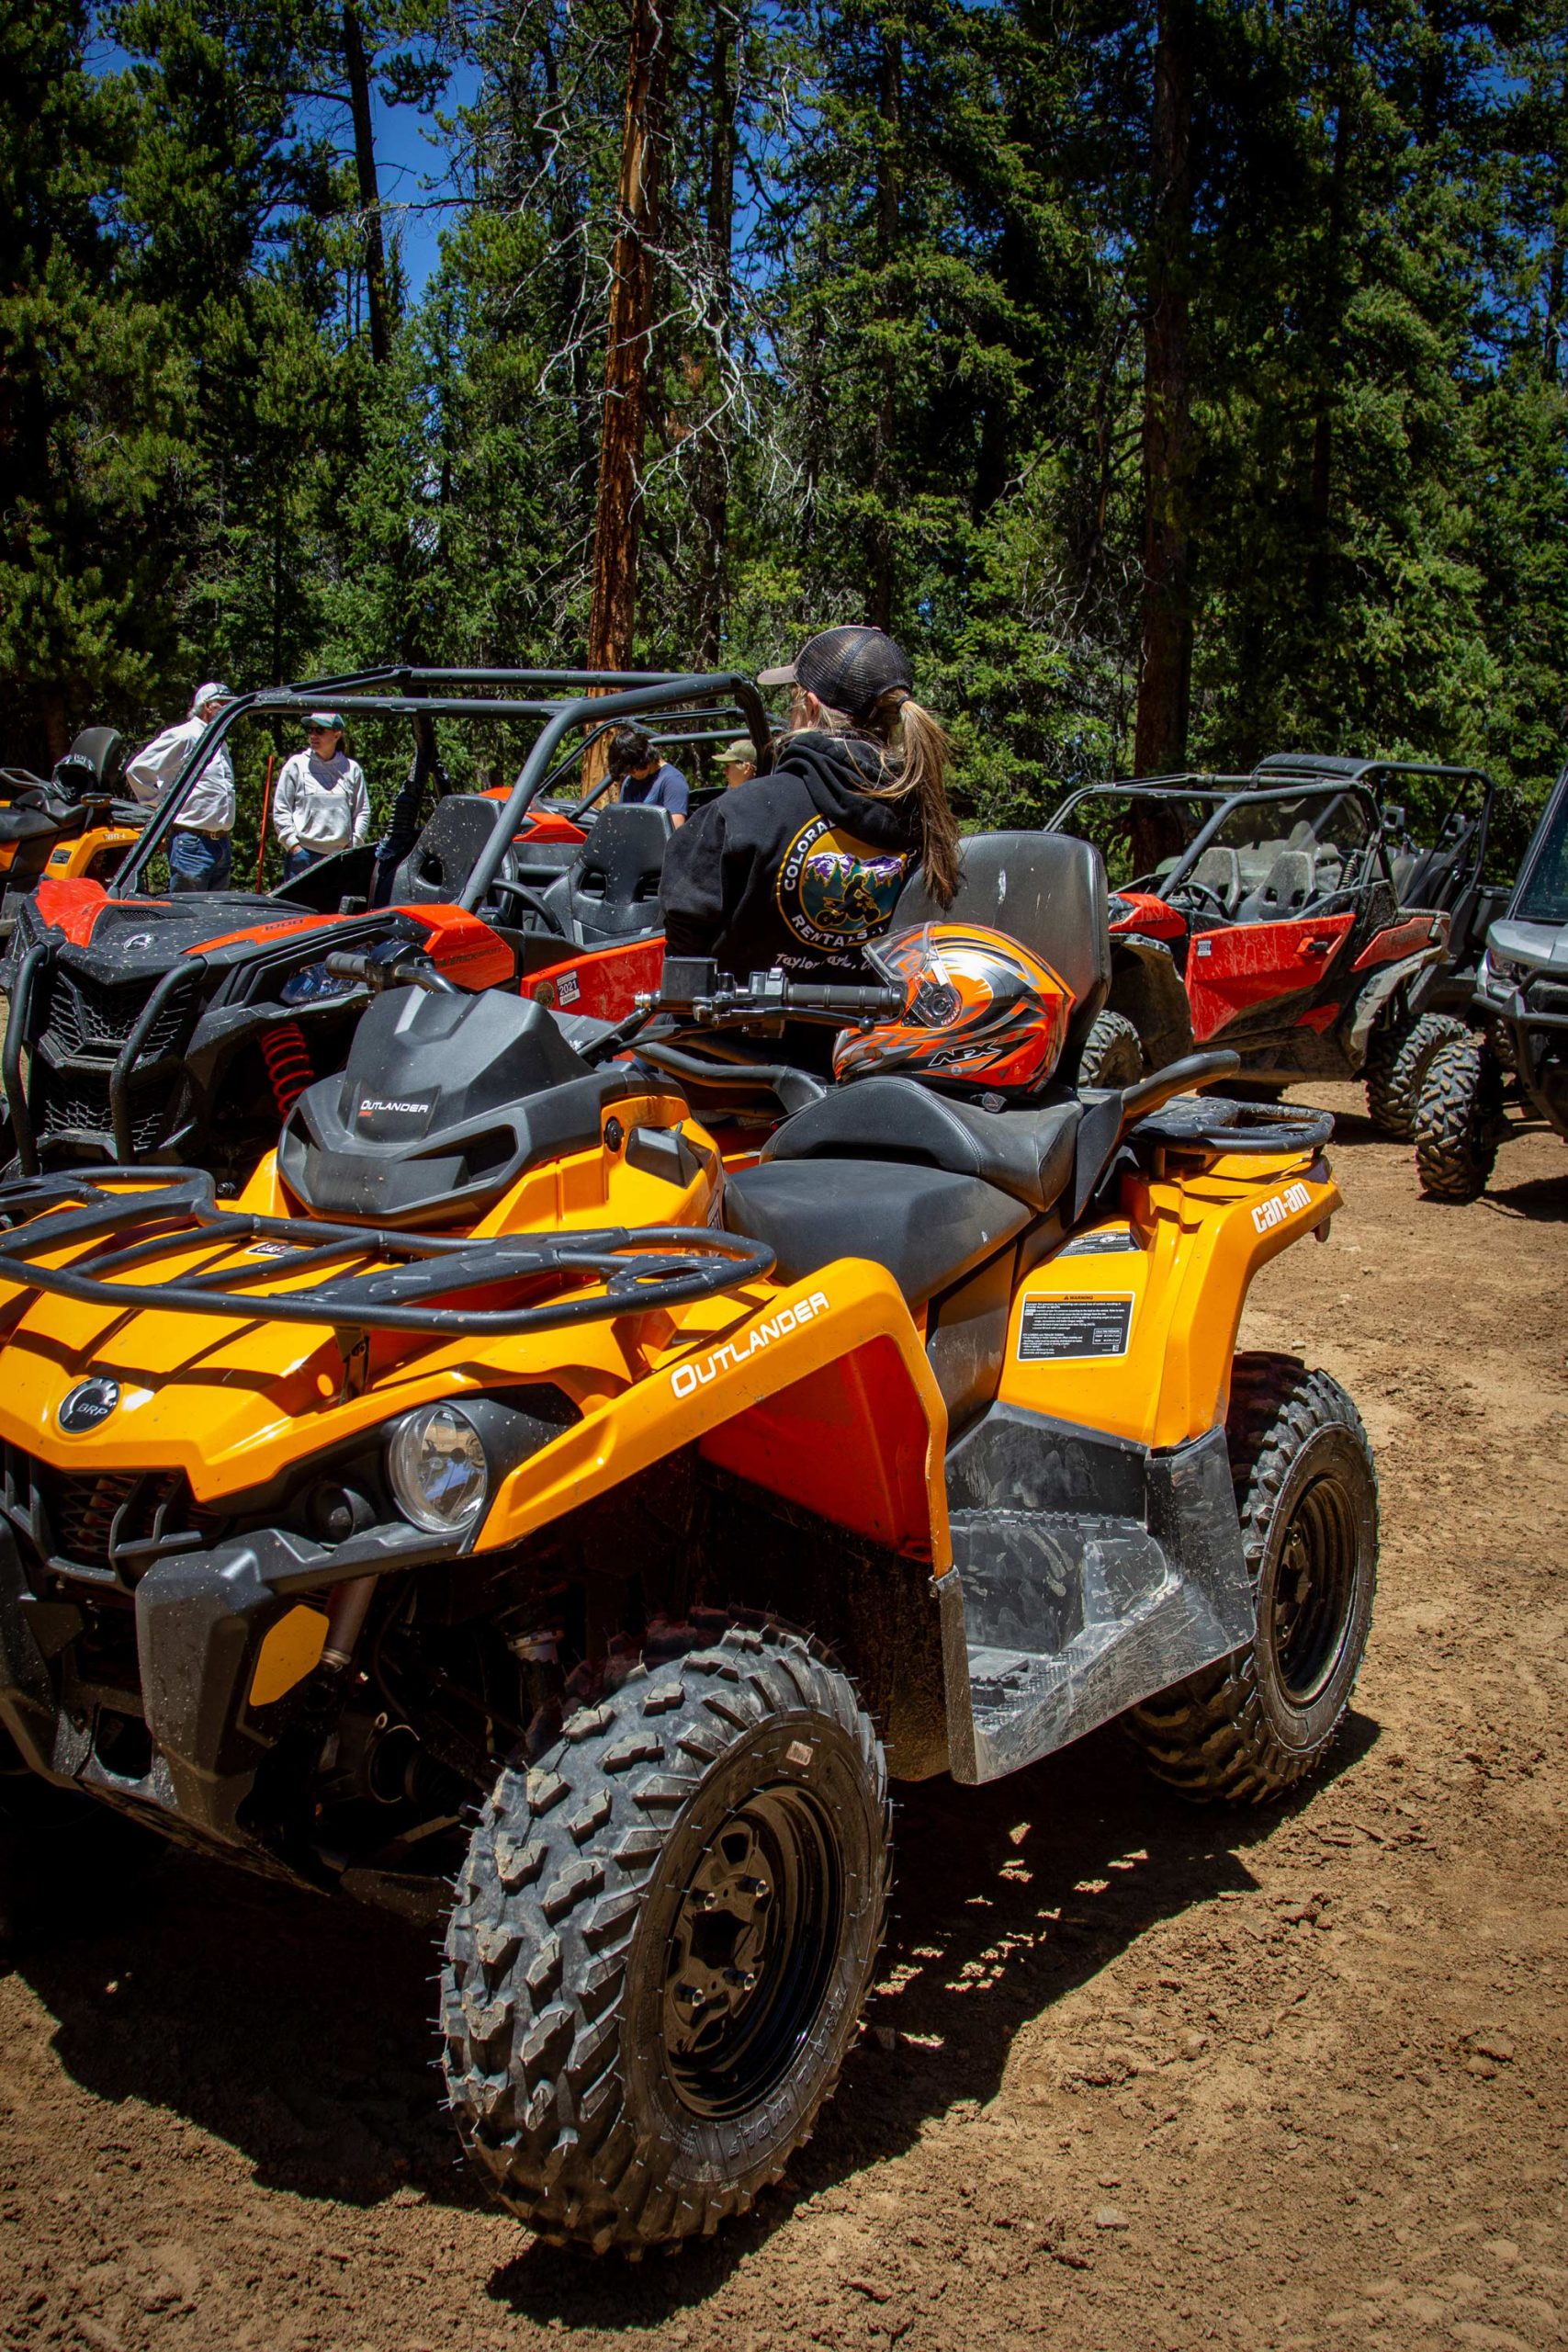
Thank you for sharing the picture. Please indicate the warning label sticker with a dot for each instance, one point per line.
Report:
(1100, 1245)
(1057, 1327)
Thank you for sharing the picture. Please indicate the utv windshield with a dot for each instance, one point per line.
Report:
(1543, 894)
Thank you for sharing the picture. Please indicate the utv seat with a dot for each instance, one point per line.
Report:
(1047, 891)
(436, 869)
(927, 1226)
(1219, 870)
(610, 890)
(446, 852)
(1290, 885)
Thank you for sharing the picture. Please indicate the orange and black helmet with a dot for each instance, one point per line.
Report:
(979, 1012)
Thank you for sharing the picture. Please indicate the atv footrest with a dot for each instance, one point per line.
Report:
(1092, 1573)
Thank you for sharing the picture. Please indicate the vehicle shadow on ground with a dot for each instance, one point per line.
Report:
(1543, 1199)
(299, 2031)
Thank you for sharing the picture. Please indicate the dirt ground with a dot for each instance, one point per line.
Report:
(1134, 2076)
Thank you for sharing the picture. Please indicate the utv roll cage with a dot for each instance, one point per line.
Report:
(596, 700)
(1317, 776)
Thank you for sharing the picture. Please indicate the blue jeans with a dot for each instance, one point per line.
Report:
(198, 863)
(298, 861)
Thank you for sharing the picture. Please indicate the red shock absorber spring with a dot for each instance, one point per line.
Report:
(289, 1064)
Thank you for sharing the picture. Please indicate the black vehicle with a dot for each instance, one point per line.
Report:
(1519, 1045)
(182, 1029)
(1293, 914)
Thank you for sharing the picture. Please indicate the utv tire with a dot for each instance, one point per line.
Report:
(1306, 1492)
(1398, 1058)
(1457, 1121)
(663, 1936)
(1113, 1053)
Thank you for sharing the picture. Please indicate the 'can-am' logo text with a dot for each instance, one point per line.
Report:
(1280, 1206)
(687, 1378)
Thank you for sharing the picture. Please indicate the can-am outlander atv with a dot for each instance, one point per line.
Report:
(1289, 915)
(1519, 1046)
(503, 1495)
(148, 1028)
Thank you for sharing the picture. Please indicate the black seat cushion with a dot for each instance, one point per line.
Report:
(446, 852)
(610, 889)
(1027, 1153)
(1047, 891)
(925, 1225)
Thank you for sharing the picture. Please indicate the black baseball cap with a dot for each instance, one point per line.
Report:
(848, 669)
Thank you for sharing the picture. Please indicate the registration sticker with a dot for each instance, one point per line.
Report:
(1055, 1329)
(568, 987)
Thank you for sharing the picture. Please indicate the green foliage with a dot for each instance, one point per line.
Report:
(904, 381)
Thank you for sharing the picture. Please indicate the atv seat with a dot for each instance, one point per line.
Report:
(25, 824)
(610, 889)
(927, 1226)
(1026, 1153)
(1047, 891)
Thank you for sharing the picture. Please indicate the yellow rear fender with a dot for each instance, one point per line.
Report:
(1129, 1328)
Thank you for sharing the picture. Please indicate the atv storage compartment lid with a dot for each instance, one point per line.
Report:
(445, 1102)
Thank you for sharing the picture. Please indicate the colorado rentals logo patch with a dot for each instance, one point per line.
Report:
(1280, 1206)
(687, 1378)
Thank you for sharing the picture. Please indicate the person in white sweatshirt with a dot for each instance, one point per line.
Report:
(200, 847)
(321, 805)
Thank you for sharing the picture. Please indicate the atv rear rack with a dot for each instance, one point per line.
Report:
(641, 1271)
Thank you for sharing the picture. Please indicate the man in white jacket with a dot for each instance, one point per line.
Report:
(200, 850)
(321, 804)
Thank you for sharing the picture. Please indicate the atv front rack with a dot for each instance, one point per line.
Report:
(638, 1271)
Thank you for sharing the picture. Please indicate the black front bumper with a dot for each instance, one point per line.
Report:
(200, 1620)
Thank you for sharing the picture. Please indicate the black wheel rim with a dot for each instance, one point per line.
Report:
(751, 1952)
(1314, 1589)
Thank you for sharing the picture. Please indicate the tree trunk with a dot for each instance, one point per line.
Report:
(1330, 333)
(889, 107)
(617, 524)
(712, 462)
(1164, 671)
(376, 295)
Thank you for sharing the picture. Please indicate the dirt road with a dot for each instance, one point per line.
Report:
(1135, 2076)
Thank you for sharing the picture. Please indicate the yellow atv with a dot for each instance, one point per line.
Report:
(506, 1493)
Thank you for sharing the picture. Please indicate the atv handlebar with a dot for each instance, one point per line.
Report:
(698, 992)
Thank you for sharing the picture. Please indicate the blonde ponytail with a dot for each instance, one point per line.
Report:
(916, 755)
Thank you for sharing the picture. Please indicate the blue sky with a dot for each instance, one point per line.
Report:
(412, 159)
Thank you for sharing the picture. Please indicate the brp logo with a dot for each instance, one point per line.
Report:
(137, 939)
(88, 1406)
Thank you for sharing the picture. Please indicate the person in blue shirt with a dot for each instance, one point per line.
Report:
(644, 776)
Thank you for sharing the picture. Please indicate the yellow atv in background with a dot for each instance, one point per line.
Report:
(502, 1449)
(72, 825)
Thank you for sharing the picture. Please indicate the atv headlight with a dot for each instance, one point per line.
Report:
(1500, 973)
(436, 1468)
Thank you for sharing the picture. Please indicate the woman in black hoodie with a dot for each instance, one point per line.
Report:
(801, 867)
